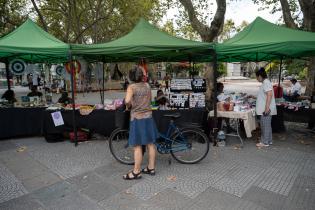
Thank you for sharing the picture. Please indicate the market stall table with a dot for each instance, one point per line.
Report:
(103, 121)
(18, 122)
(248, 118)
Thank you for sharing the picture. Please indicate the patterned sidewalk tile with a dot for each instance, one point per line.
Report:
(10, 186)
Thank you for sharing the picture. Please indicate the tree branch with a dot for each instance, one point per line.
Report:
(207, 33)
(41, 18)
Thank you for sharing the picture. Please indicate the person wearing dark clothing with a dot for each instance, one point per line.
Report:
(9, 95)
(34, 92)
(65, 99)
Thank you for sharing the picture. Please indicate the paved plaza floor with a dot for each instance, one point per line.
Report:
(38, 175)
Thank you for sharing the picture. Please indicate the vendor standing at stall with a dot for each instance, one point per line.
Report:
(265, 108)
(142, 131)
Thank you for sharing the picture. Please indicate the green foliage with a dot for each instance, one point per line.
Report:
(294, 67)
(230, 29)
(81, 21)
(222, 69)
(274, 6)
(303, 74)
(12, 14)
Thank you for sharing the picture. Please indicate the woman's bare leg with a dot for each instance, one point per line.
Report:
(152, 155)
(138, 159)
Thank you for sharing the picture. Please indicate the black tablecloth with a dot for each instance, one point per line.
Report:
(300, 116)
(103, 122)
(16, 122)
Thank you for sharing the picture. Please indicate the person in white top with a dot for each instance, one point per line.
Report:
(265, 107)
(295, 91)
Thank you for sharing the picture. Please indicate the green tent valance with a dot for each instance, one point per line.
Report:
(147, 42)
(262, 40)
(33, 44)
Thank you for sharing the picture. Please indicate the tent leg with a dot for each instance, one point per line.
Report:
(280, 69)
(73, 101)
(215, 69)
(7, 74)
(103, 92)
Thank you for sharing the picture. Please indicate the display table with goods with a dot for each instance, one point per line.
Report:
(300, 112)
(238, 108)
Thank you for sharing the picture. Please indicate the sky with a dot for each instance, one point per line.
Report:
(238, 11)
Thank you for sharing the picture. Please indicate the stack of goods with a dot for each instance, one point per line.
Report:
(197, 100)
(199, 85)
(86, 109)
(179, 100)
(178, 85)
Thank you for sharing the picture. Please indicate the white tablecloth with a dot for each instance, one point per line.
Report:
(248, 118)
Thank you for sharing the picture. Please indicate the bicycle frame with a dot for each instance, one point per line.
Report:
(168, 141)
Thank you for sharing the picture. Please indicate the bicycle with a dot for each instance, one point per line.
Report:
(186, 145)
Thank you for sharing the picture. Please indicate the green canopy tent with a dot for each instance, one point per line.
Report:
(146, 42)
(265, 41)
(32, 44)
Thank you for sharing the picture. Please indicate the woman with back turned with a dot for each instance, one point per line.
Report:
(142, 129)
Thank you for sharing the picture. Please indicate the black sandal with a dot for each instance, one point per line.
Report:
(135, 176)
(148, 171)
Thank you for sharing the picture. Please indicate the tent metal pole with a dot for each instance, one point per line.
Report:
(280, 69)
(7, 73)
(73, 100)
(103, 91)
(215, 70)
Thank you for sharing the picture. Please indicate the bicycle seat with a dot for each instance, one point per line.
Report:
(174, 116)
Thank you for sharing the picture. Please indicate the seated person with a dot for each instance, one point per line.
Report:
(161, 100)
(221, 98)
(65, 99)
(9, 95)
(295, 91)
(34, 92)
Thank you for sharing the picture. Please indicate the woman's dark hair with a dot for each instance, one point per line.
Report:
(8, 95)
(219, 86)
(261, 72)
(136, 75)
(293, 80)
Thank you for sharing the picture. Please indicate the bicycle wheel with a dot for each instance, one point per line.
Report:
(189, 146)
(118, 145)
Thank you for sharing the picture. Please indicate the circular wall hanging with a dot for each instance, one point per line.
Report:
(17, 66)
(60, 70)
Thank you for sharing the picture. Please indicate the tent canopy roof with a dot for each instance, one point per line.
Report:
(32, 43)
(262, 40)
(147, 42)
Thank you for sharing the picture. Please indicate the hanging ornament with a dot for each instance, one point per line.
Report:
(83, 64)
(31, 68)
(17, 66)
(60, 70)
(75, 64)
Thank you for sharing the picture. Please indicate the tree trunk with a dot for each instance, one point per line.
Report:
(41, 18)
(308, 9)
(310, 77)
(286, 12)
(207, 34)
